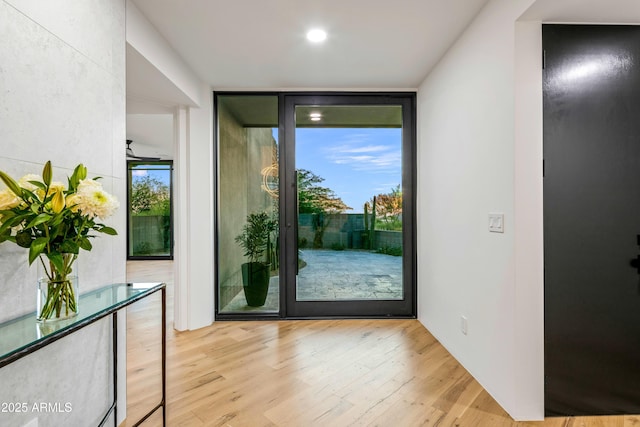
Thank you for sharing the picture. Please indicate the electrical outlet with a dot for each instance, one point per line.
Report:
(464, 325)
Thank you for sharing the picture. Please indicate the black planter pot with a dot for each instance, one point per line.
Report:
(255, 280)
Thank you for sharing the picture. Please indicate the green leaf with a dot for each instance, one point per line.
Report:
(108, 230)
(36, 248)
(8, 221)
(38, 184)
(5, 227)
(11, 183)
(27, 194)
(43, 217)
(57, 219)
(86, 244)
(4, 235)
(69, 247)
(47, 173)
(23, 239)
(57, 260)
(19, 218)
(5, 215)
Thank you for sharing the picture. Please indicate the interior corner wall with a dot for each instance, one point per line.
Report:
(194, 214)
(145, 39)
(62, 85)
(466, 170)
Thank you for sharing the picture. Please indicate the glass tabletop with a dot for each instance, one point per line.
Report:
(21, 334)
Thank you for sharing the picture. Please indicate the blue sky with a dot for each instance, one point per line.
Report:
(355, 163)
(161, 173)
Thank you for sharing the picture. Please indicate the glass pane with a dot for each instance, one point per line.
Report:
(150, 225)
(349, 166)
(24, 332)
(248, 244)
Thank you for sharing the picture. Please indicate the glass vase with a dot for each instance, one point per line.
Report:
(57, 299)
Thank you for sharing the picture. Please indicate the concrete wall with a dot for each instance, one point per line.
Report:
(343, 229)
(346, 230)
(243, 153)
(233, 205)
(466, 155)
(62, 85)
(388, 239)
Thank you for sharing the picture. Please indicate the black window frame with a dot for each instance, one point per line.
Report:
(171, 216)
(406, 308)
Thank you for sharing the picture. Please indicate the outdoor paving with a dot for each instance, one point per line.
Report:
(337, 275)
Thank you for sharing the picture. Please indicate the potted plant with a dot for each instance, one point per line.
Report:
(255, 240)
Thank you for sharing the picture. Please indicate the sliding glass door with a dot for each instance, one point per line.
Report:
(323, 185)
(349, 186)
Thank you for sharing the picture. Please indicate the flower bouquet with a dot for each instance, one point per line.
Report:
(54, 223)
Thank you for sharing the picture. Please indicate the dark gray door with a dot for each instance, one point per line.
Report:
(591, 219)
(334, 147)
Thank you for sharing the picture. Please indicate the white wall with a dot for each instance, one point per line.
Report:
(149, 43)
(466, 158)
(62, 86)
(193, 165)
(194, 254)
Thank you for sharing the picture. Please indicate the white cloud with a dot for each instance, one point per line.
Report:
(357, 151)
(366, 149)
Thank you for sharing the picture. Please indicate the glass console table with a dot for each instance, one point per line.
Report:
(24, 335)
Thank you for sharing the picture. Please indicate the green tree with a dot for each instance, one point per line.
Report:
(149, 194)
(320, 201)
(313, 198)
(389, 209)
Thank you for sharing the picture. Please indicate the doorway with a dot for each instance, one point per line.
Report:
(330, 179)
(591, 219)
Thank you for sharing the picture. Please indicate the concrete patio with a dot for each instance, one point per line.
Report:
(336, 275)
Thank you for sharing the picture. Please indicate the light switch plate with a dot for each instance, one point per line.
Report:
(496, 222)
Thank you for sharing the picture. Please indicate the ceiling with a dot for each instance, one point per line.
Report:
(151, 134)
(584, 11)
(148, 90)
(262, 111)
(371, 44)
(260, 44)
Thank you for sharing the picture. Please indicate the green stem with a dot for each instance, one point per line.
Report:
(59, 294)
(44, 266)
(61, 299)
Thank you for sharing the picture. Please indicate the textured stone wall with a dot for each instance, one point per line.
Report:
(62, 98)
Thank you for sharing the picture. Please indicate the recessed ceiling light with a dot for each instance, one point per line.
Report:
(315, 116)
(317, 35)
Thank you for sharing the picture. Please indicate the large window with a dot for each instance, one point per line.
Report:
(150, 224)
(315, 205)
(248, 242)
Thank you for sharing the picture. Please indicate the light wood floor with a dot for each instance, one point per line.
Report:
(306, 373)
